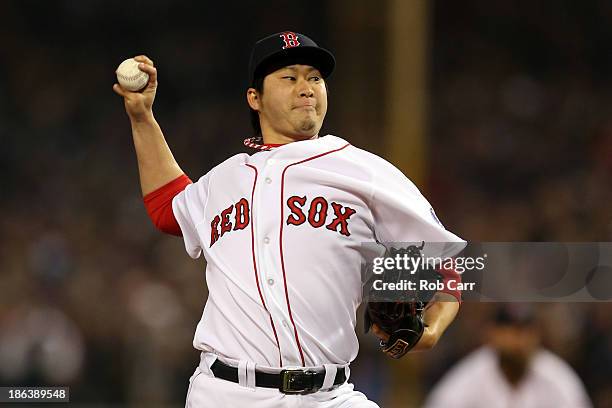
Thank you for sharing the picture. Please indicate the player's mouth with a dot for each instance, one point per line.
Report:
(305, 105)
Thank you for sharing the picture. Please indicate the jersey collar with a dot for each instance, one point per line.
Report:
(256, 142)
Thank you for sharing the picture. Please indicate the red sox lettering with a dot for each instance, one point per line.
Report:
(241, 220)
(317, 215)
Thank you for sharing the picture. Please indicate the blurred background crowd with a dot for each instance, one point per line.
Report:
(92, 296)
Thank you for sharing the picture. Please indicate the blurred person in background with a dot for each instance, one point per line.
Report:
(510, 370)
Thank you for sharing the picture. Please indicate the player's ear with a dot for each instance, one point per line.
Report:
(253, 99)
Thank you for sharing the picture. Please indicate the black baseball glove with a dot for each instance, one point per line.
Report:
(400, 314)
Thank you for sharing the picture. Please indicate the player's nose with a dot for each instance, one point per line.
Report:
(305, 90)
(307, 93)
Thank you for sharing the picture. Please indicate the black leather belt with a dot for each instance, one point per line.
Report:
(293, 381)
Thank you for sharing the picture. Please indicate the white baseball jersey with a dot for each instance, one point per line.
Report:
(477, 381)
(282, 234)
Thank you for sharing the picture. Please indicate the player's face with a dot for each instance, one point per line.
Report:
(294, 102)
(513, 340)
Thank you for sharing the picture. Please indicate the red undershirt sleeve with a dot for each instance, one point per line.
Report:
(159, 205)
(449, 274)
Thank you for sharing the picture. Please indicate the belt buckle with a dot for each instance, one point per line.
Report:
(297, 381)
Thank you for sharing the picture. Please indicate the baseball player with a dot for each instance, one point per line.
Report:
(511, 369)
(282, 232)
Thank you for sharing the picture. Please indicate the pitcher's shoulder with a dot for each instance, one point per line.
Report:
(231, 162)
(364, 157)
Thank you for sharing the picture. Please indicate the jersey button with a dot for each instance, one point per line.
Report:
(270, 281)
(266, 240)
(285, 323)
(268, 180)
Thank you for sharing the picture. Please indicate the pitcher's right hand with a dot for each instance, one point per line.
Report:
(139, 105)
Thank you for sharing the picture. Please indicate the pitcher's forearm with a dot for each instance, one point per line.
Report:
(156, 163)
(438, 316)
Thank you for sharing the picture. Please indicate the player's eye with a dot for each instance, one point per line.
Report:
(315, 78)
(289, 77)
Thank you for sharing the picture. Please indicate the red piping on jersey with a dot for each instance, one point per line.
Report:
(297, 339)
(280, 356)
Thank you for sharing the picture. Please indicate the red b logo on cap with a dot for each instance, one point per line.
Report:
(290, 39)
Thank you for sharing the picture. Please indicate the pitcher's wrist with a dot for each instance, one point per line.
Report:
(140, 118)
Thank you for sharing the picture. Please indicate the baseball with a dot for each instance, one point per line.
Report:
(130, 77)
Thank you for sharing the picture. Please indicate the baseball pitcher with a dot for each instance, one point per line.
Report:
(282, 230)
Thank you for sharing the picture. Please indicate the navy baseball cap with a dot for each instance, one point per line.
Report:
(288, 48)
